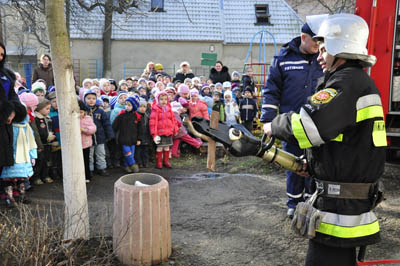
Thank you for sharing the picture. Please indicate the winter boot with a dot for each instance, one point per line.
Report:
(10, 201)
(135, 168)
(159, 155)
(22, 194)
(166, 158)
(127, 169)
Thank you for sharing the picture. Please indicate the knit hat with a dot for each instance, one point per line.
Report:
(160, 83)
(250, 89)
(196, 79)
(113, 101)
(159, 94)
(170, 89)
(29, 99)
(235, 73)
(187, 80)
(141, 80)
(113, 82)
(51, 95)
(121, 82)
(52, 88)
(99, 102)
(142, 102)
(151, 81)
(194, 92)
(134, 100)
(86, 81)
(90, 91)
(226, 84)
(183, 89)
(102, 82)
(158, 67)
(105, 98)
(121, 93)
(176, 106)
(227, 93)
(39, 86)
(217, 93)
(42, 104)
(218, 85)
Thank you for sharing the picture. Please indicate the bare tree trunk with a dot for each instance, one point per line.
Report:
(108, 13)
(68, 15)
(76, 208)
(1, 26)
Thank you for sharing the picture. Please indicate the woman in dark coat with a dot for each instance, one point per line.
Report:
(44, 71)
(219, 73)
(184, 72)
(11, 110)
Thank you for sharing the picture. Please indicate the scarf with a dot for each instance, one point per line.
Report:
(25, 143)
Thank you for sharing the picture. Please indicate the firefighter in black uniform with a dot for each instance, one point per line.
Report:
(343, 131)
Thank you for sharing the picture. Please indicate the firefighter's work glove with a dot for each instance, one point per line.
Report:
(306, 220)
(314, 224)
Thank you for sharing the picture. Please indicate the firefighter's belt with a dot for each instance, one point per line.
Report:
(345, 190)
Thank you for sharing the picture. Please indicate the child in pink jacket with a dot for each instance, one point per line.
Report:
(88, 129)
(163, 126)
(196, 106)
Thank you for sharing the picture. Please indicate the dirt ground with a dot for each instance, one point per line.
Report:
(235, 217)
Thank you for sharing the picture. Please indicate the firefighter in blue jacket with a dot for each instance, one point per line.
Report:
(342, 127)
(293, 77)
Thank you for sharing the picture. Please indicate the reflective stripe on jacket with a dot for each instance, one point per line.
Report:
(343, 130)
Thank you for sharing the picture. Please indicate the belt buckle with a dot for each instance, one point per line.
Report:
(319, 186)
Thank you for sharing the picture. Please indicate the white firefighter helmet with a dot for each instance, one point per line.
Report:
(314, 21)
(346, 36)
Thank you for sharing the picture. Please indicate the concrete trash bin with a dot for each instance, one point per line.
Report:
(142, 221)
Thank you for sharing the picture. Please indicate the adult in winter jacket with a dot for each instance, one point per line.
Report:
(183, 73)
(219, 73)
(11, 110)
(292, 78)
(44, 71)
(343, 129)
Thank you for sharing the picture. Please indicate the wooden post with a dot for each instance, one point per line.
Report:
(76, 208)
(212, 145)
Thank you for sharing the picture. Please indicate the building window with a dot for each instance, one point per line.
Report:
(262, 14)
(157, 5)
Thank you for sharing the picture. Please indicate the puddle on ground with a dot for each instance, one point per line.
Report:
(196, 177)
(202, 176)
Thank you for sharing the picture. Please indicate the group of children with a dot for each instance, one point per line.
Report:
(121, 124)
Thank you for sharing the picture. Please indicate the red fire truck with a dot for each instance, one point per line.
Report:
(383, 18)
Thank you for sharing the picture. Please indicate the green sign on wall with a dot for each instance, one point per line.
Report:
(208, 59)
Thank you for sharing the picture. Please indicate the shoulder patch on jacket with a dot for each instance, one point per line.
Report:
(324, 96)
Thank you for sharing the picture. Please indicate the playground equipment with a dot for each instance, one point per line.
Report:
(259, 68)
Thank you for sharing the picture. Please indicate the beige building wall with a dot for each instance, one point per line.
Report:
(130, 57)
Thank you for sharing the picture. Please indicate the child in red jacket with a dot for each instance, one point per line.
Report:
(163, 126)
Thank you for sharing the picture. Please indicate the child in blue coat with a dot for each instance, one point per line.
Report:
(104, 132)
